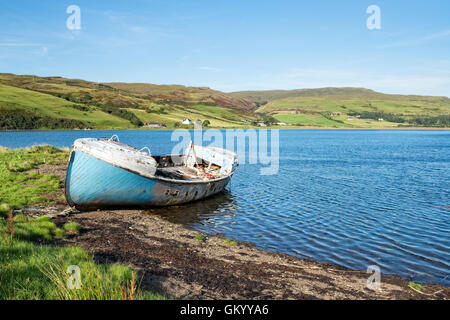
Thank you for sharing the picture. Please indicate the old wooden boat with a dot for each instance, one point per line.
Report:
(107, 173)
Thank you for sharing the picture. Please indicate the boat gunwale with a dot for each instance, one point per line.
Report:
(160, 178)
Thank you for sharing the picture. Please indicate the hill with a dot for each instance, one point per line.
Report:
(270, 95)
(184, 95)
(350, 107)
(31, 102)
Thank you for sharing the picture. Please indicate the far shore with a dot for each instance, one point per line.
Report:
(235, 128)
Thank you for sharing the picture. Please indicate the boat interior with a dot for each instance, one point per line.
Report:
(173, 167)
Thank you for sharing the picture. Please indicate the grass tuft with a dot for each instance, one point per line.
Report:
(20, 218)
(230, 242)
(43, 219)
(200, 237)
(416, 286)
(72, 227)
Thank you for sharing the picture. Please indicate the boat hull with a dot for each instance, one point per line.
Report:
(92, 183)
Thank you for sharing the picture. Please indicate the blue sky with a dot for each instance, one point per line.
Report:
(234, 45)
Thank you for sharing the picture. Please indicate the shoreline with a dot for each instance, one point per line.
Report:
(234, 128)
(171, 260)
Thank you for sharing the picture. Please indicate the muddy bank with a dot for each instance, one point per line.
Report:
(170, 259)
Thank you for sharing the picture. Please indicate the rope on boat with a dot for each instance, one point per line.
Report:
(200, 170)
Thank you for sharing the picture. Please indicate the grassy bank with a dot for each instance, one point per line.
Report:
(22, 183)
(32, 265)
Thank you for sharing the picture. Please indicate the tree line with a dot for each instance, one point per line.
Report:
(23, 120)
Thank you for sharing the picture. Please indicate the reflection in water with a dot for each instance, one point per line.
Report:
(215, 209)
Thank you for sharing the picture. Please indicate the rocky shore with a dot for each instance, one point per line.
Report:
(175, 261)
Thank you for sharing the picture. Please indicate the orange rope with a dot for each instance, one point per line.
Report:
(207, 175)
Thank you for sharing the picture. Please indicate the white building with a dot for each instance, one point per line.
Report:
(187, 121)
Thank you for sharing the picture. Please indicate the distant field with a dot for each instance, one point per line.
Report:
(218, 117)
(404, 105)
(308, 120)
(332, 107)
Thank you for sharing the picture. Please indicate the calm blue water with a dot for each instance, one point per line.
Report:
(350, 197)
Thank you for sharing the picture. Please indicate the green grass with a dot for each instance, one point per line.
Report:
(12, 98)
(429, 106)
(200, 237)
(20, 186)
(32, 270)
(72, 227)
(416, 286)
(230, 242)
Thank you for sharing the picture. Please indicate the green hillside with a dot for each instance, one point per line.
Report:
(21, 109)
(350, 107)
(270, 95)
(31, 102)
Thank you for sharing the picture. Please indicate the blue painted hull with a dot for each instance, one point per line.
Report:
(92, 183)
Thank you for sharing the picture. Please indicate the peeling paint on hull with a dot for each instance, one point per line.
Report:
(92, 183)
